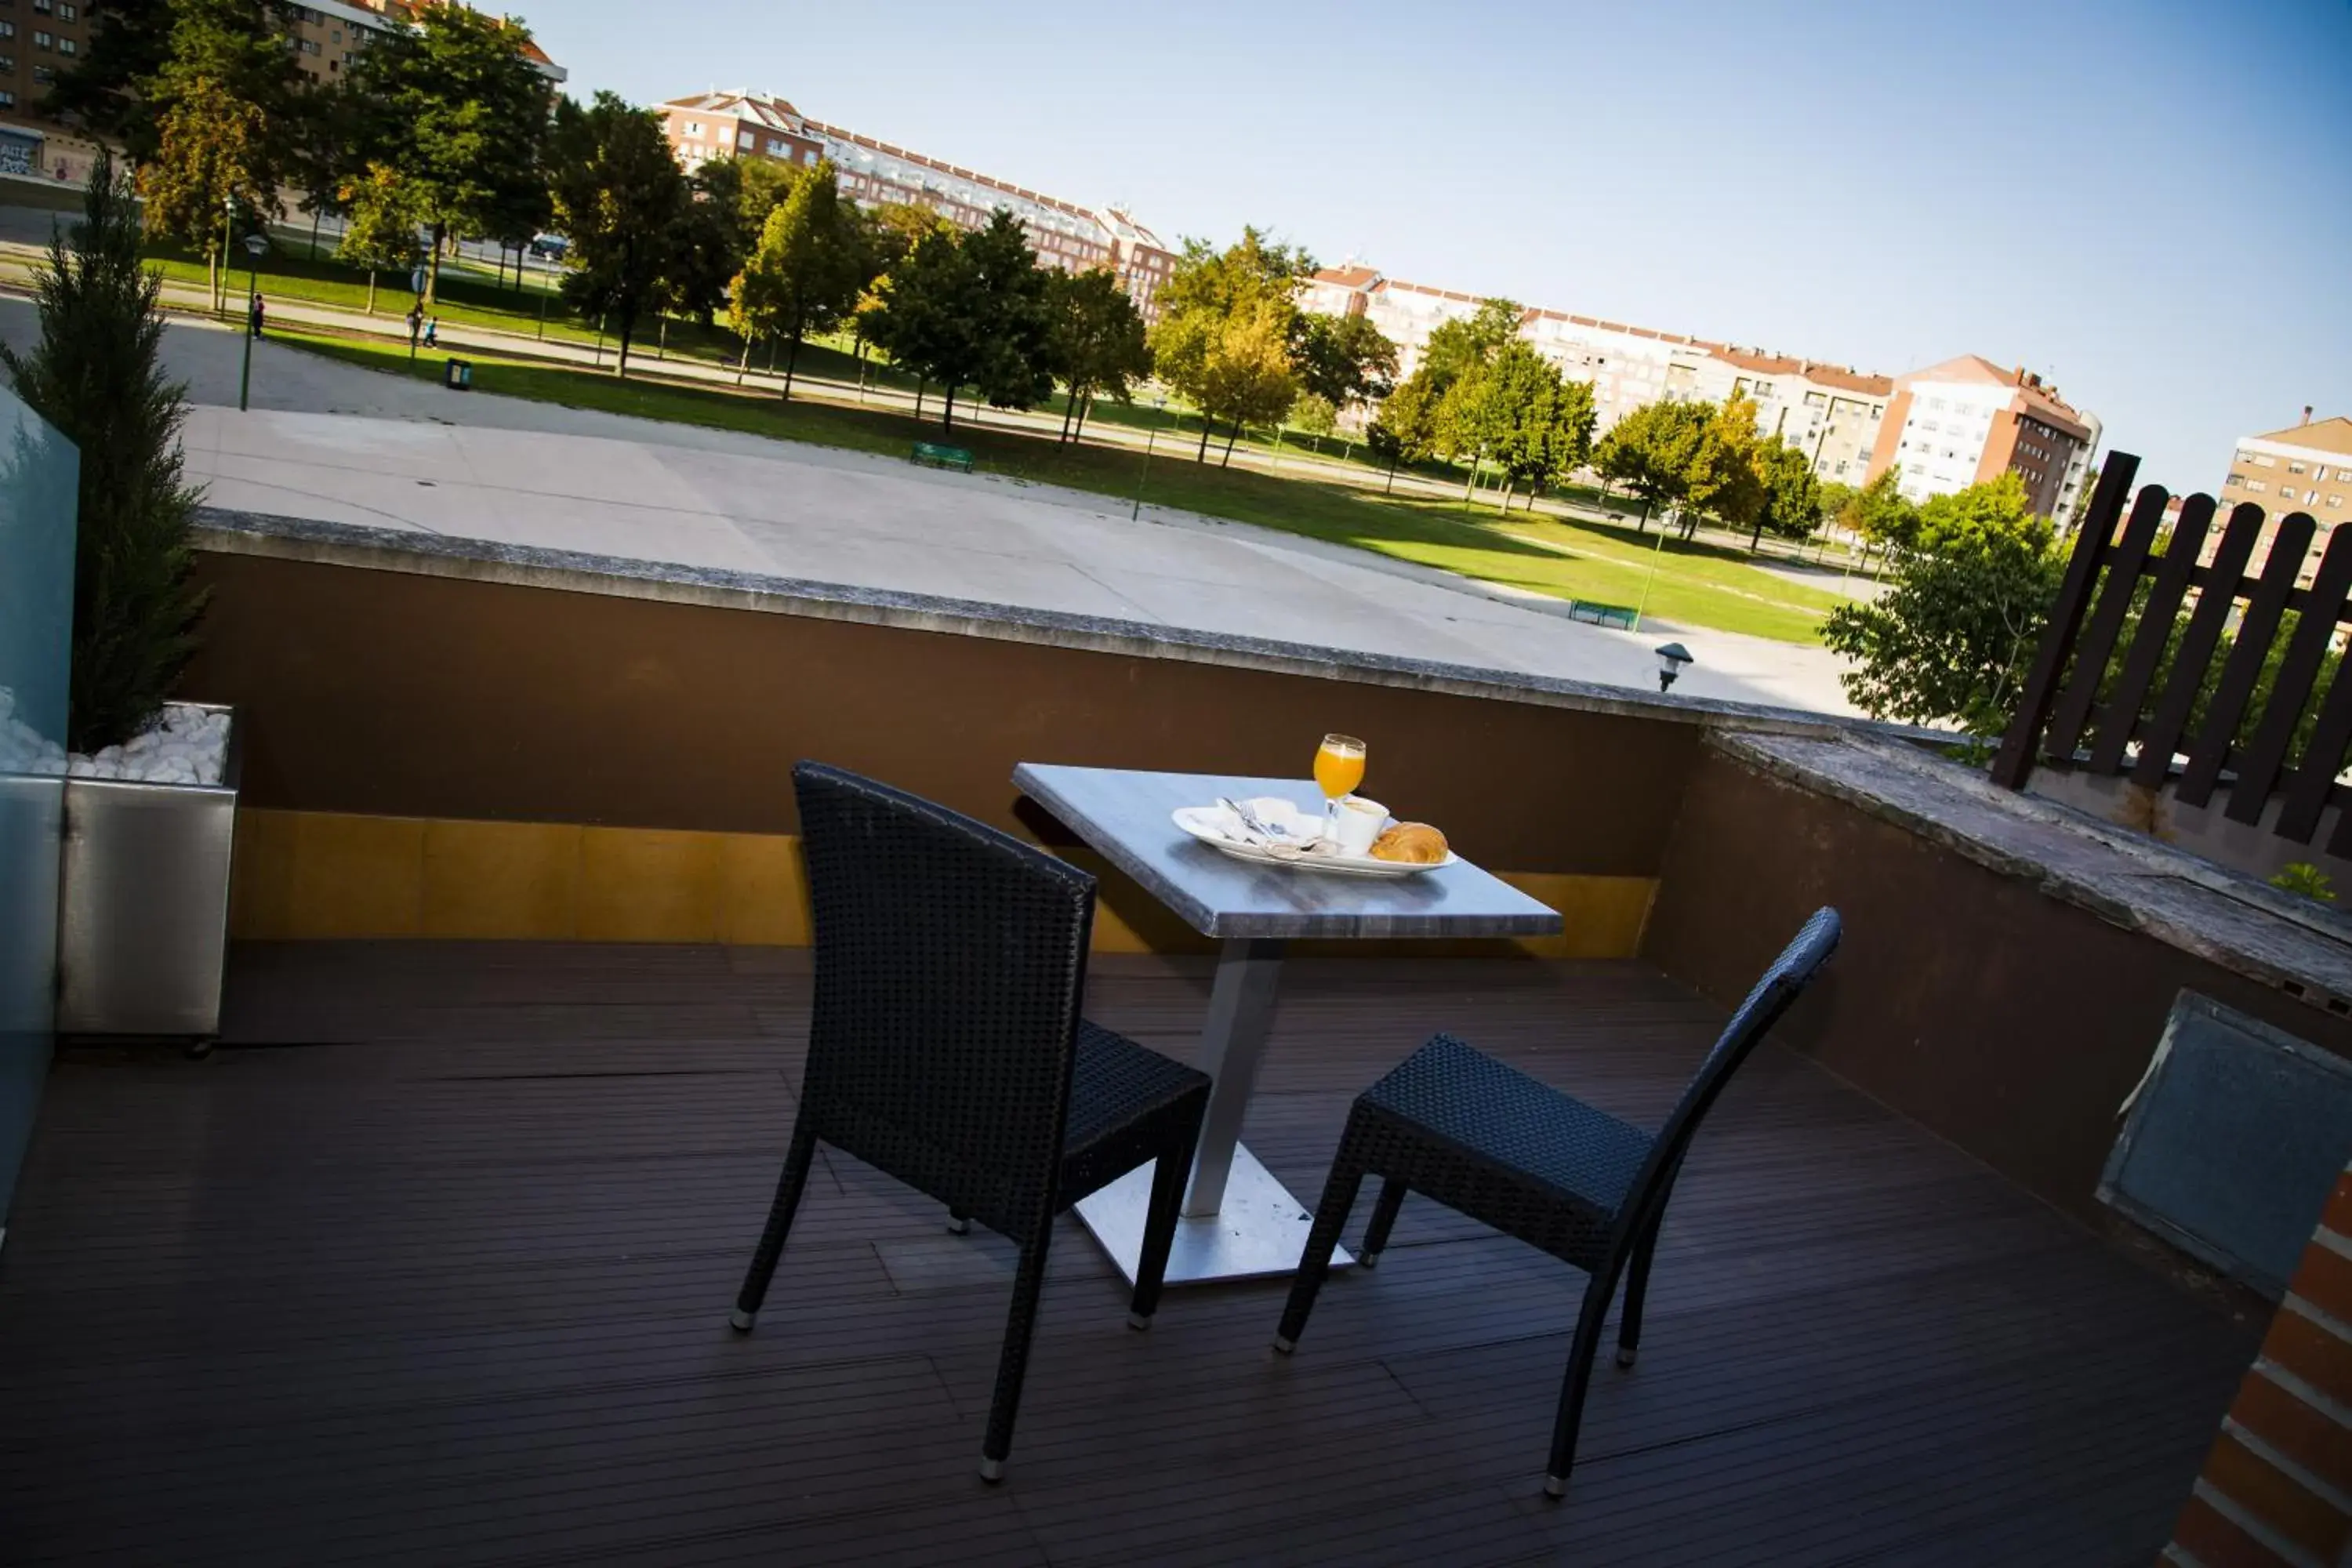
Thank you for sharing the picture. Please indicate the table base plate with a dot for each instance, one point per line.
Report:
(1260, 1231)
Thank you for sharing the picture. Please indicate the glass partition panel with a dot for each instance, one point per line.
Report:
(38, 474)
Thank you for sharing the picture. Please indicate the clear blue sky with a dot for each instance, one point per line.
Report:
(2149, 204)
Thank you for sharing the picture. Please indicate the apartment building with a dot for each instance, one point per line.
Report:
(326, 34)
(39, 41)
(2304, 468)
(1830, 412)
(1968, 420)
(1065, 234)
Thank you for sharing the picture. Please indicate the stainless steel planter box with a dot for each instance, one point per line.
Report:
(143, 926)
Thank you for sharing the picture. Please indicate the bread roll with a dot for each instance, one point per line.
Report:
(1413, 843)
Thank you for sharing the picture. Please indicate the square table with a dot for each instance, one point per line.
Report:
(1238, 1221)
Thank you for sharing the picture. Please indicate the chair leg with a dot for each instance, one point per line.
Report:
(1168, 1177)
(958, 1223)
(1581, 1351)
(789, 1187)
(1315, 1263)
(1637, 1290)
(1384, 1216)
(1013, 1365)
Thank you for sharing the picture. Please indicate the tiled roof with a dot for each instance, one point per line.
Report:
(2319, 435)
(1843, 377)
(1348, 277)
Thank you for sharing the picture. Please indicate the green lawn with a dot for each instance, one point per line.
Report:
(1695, 585)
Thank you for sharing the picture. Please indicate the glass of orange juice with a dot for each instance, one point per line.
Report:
(1338, 768)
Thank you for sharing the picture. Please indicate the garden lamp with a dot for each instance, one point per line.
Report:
(1672, 657)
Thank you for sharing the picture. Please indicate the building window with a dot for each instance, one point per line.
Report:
(43, 7)
(2233, 479)
(2256, 486)
(66, 12)
(7, 99)
(2294, 468)
(745, 141)
(694, 128)
(7, 29)
(43, 41)
(776, 148)
(308, 46)
(2262, 462)
(44, 75)
(2336, 500)
(66, 47)
(2286, 494)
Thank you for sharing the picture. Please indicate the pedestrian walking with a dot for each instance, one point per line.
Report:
(416, 325)
(259, 313)
(432, 333)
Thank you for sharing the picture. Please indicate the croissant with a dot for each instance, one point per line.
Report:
(1414, 843)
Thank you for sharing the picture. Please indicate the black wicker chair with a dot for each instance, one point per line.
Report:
(945, 1049)
(1485, 1139)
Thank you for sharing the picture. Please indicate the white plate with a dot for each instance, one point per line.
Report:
(1221, 830)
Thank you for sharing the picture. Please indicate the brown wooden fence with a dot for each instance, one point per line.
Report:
(2196, 641)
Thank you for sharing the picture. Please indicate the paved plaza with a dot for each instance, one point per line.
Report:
(340, 444)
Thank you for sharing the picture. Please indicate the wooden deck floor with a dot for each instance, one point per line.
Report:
(433, 1267)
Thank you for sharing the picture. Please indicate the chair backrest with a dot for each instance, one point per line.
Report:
(1782, 984)
(950, 962)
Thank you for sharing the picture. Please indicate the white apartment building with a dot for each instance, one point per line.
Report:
(737, 124)
(1831, 413)
(1968, 420)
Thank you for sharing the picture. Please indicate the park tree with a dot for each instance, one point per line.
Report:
(1518, 410)
(94, 371)
(1343, 360)
(382, 217)
(806, 272)
(1314, 415)
(970, 310)
(463, 114)
(212, 158)
(1724, 483)
(1951, 637)
(1882, 514)
(322, 144)
(1416, 420)
(621, 200)
(1211, 343)
(1791, 500)
(1654, 450)
(105, 90)
(1098, 340)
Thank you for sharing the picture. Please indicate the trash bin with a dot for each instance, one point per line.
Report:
(460, 377)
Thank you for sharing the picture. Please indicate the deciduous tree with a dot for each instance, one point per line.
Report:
(1100, 343)
(970, 310)
(380, 230)
(464, 116)
(621, 200)
(212, 158)
(806, 272)
(1791, 503)
(1216, 309)
(1951, 637)
(1343, 360)
(1654, 450)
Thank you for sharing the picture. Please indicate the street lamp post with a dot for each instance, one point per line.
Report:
(220, 288)
(1657, 556)
(254, 245)
(1151, 439)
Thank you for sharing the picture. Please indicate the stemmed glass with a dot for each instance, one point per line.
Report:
(1338, 768)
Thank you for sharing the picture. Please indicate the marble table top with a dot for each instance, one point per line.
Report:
(1124, 814)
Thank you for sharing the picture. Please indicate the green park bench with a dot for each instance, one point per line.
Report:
(931, 454)
(1620, 615)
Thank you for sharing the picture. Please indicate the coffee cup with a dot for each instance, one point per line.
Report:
(1357, 822)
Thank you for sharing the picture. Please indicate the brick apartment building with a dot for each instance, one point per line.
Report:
(326, 34)
(1968, 420)
(2304, 468)
(42, 39)
(1064, 234)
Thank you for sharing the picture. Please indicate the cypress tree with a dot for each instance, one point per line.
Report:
(96, 373)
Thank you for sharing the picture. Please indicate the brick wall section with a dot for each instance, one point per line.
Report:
(2277, 1489)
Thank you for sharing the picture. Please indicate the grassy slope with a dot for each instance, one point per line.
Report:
(1696, 585)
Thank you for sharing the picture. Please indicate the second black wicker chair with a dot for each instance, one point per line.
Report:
(945, 1049)
(1486, 1139)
